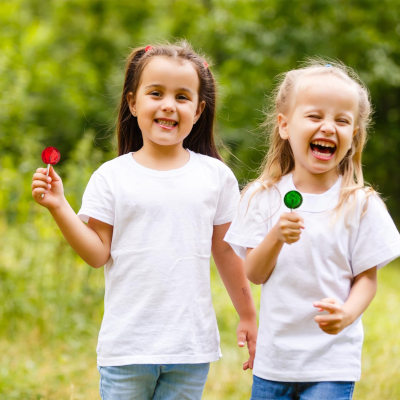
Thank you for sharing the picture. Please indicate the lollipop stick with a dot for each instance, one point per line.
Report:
(48, 170)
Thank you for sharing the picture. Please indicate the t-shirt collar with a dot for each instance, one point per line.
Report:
(313, 202)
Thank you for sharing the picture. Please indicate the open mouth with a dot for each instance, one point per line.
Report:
(322, 148)
(166, 123)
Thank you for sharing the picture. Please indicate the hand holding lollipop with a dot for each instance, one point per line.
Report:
(50, 156)
(290, 224)
(48, 181)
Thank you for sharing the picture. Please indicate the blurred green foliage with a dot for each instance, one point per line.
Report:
(62, 66)
(61, 74)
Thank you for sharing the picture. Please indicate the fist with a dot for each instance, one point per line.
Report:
(289, 227)
(47, 190)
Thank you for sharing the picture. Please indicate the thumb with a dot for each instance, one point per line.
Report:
(241, 337)
(53, 174)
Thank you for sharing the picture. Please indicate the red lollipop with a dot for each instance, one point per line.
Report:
(50, 156)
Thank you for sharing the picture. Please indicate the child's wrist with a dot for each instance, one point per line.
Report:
(248, 315)
(276, 237)
(349, 318)
(59, 207)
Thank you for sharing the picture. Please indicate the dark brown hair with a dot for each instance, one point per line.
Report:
(201, 137)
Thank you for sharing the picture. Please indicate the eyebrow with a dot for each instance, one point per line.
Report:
(182, 89)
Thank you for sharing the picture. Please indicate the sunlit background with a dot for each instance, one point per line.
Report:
(61, 74)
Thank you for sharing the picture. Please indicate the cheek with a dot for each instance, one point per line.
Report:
(188, 112)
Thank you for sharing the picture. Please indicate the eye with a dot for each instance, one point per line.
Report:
(182, 97)
(155, 93)
(343, 121)
(314, 116)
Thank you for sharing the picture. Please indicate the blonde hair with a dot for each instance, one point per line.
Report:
(279, 160)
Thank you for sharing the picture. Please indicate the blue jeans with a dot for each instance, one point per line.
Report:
(153, 381)
(270, 390)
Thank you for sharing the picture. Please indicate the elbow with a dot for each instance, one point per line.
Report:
(99, 262)
(254, 277)
(255, 280)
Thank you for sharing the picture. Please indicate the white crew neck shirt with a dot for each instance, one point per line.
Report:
(323, 263)
(157, 306)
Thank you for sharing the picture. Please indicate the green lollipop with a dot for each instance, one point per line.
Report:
(293, 200)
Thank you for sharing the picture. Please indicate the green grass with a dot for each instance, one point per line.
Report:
(52, 306)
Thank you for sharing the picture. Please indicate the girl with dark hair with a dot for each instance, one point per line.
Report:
(154, 216)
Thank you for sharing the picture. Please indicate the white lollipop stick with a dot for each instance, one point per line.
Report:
(48, 170)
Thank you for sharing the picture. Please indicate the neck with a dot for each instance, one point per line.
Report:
(162, 158)
(307, 182)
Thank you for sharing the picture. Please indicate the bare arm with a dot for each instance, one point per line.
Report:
(340, 316)
(260, 261)
(91, 242)
(231, 270)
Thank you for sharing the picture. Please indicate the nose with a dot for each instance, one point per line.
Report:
(168, 105)
(328, 128)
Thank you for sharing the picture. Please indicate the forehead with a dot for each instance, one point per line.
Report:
(170, 72)
(327, 90)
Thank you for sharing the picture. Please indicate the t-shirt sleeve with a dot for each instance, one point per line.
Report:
(228, 198)
(98, 200)
(378, 240)
(250, 225)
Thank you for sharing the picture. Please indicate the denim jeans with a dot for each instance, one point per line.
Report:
(271, 390)
(153, 381)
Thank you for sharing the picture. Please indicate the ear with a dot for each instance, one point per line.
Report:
(131, 103)
(283, 127)
(356, 129)
(200, 109)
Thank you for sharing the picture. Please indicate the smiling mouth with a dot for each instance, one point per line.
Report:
(322, 148)
(167, 123)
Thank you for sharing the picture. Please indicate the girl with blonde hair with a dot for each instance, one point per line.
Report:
(317, 265)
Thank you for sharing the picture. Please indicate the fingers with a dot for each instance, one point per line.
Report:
(251, 345)
(38, 192)
(295, 218)
(335, 321)
(326, 319)
(290, 226)
(53, 174)
(330, 307)
(41, 184)
(252, 352)
(241, 337)
(329, 300)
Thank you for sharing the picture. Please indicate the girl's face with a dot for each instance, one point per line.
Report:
(320, 124)
(167, 101)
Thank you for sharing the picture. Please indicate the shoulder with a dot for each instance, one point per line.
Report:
(109, 168)
(263, 189)
(366, 196)
(216, 167)
(260, 194)
(211, 162)
(366, 206)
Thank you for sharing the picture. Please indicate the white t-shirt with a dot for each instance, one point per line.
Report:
(323, 263)
(157, 306)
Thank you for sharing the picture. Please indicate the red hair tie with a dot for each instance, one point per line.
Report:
(205, 64)
(148, 48)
